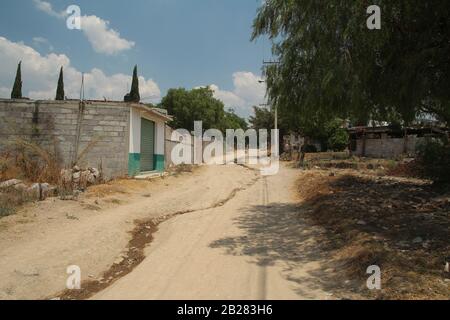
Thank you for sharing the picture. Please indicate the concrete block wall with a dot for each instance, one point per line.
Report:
(388, 147)
(97, 134)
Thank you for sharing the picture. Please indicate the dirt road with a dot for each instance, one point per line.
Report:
(255, 246)
(43, 239)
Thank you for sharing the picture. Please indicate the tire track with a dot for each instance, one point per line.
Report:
(141, 236)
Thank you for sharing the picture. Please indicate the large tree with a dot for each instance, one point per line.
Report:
(331, 64)
(16, 92)
(232, 121)
(187, 106)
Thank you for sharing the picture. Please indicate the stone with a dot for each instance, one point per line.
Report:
(76, 175)
(91, 179)
(34, 191)
(361, 222)
(9, 183)
(76, 168)
(21, 187)
(95, 173)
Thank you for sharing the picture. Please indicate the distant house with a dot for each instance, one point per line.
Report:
(389, 142)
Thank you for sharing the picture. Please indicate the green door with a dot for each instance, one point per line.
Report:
(147, 145)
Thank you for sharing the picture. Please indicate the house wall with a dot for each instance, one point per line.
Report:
(387, 147)
(135, 141)
(95, 133)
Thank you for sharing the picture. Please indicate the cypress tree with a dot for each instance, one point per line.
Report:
(134, 95)
(60, 88)
(16, 92)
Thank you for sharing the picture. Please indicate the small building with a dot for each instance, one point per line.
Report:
(390, 142)
(119, 138)
(147, 139)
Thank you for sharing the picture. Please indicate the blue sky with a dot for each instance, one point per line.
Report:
(176, 43)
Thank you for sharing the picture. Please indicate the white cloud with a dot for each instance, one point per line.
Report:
(46, 7)
(247, 92)
(40, 75)
(102, 38)
(41, 41)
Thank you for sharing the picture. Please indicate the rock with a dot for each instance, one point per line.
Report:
(447, 267)
(76, 169)
(21, 187)
(9, 183)
(34, 191)
(91, 179)
(45, 191)
(95, 173)
(417, 240)
(361, 222)
(76, 175)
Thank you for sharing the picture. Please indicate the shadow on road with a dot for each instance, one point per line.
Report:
(279, 232)
(334, 235)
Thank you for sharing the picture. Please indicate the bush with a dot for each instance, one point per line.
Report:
(338, 140)
(434, 156)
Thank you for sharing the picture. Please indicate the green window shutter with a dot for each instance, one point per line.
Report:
(147, 145)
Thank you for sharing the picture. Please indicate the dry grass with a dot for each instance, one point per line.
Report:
(10, 200)
(371, 220)
(115, 187)
(30, 162)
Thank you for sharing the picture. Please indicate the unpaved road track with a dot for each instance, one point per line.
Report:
(254, 246)
(44, 238)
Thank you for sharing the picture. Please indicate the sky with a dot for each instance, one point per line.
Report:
(175, 43)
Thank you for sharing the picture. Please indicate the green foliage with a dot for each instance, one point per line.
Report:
(331, 65)
(60, 89)
(199, 104)
(338, 140)
(337, 137)
(134, 95)
(16, 92)
(263, 119)
(435, 158)
(232, 121)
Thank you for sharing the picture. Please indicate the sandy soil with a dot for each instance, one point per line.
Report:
(43, 239)
(255, 246)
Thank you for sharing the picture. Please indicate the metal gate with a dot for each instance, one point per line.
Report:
(147, 145)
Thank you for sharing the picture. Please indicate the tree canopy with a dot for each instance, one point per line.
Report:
(332, 65)
(187, 106)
